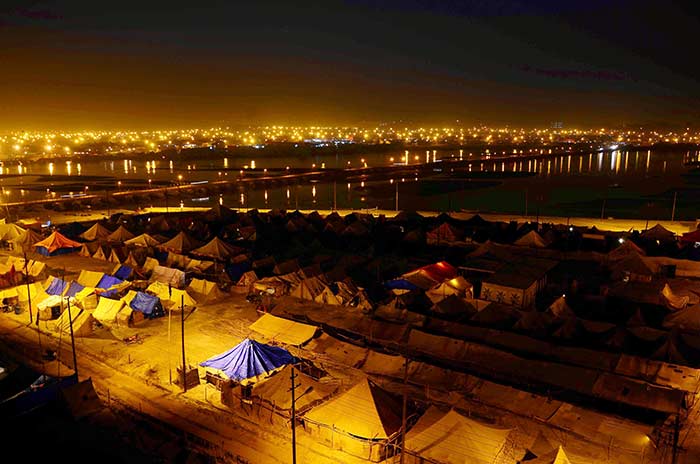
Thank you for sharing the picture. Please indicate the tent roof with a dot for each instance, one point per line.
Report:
(365, 411)
(11, 232)
(452, 437)
(628, 247)
(57, 241)
(217, 249)
(275, 389)
(556, 456)
(560, 308)
(120, 235)
(658, 232)
(181, 243)
(531, 239)
(283, 330)
(691, 237)
(143, 240)
(249, 359)
(96, 232)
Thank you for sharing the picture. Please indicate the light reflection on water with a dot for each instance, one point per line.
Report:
(609, 168)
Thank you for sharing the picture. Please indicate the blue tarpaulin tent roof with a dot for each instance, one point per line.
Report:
(144, 303)
(249, 359)
(73, 289)
(400, 284)
(106, 282)
(123, 272)
(56, 287)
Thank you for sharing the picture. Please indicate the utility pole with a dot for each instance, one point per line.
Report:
(294, 431)
(29, 293)
(397, 196)
(403, 410)
(184, 366)
(72, 341)
(602, 210)
(335, 203)
(676, 433)
(673, 210)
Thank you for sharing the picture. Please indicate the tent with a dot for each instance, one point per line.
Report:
(691, 237)
(168, 275)
(450, 437)
(82, 322)
(172, 297)
(283, 330)
(556, 456)
(122, 271)
(27, 239)
(220, 213)
(456, 286)
(114, 257)
(308, 289)
(365, 411)
(674, 301)
(275, 390)
(143, 240)
(249, 360)
(205, 291)
(56, 286)
(217, 249)
(686, 319)
(247, 279)
(120, 235)
(147, 304)
(73, 289)
(531, 239)
(107, 310)
(56, 244)
(444, 234)
(560, 308)
(11, 232)
(660, 233)
(100, 254)
(454, 306)
(109, 285)
(628, 247)
(89, 278)
(96, 232)
(181, 243)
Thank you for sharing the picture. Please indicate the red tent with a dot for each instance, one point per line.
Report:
(691, 237)
(440, 271)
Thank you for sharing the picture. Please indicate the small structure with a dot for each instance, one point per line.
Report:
(56, 244)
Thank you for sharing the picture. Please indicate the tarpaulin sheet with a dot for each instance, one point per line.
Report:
(249, 359)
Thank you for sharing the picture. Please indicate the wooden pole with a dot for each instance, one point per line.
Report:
(294, 432)
(673, 210)
(403, 410)
(184, 366)
(72, 341)
(29, 296)
(170, 370)
(676, 433)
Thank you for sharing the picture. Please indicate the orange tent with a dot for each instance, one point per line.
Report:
(55, 244)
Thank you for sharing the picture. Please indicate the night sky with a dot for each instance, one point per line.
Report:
(134, 65)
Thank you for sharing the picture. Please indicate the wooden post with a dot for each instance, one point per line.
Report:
(184, 366)
(673, 210)
(294, 433)
(403, 410)
(29, 295)
(72, 341)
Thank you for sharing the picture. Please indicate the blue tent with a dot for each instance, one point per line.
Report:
(123, 272)
(106, 282)
(56, 287)
(73, 289)
(400, 284)
(249, 359)
(235, 271)
(149, 305)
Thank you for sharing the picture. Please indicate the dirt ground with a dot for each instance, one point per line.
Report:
(139, 377)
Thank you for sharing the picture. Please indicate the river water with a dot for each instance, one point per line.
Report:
(652, 184)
